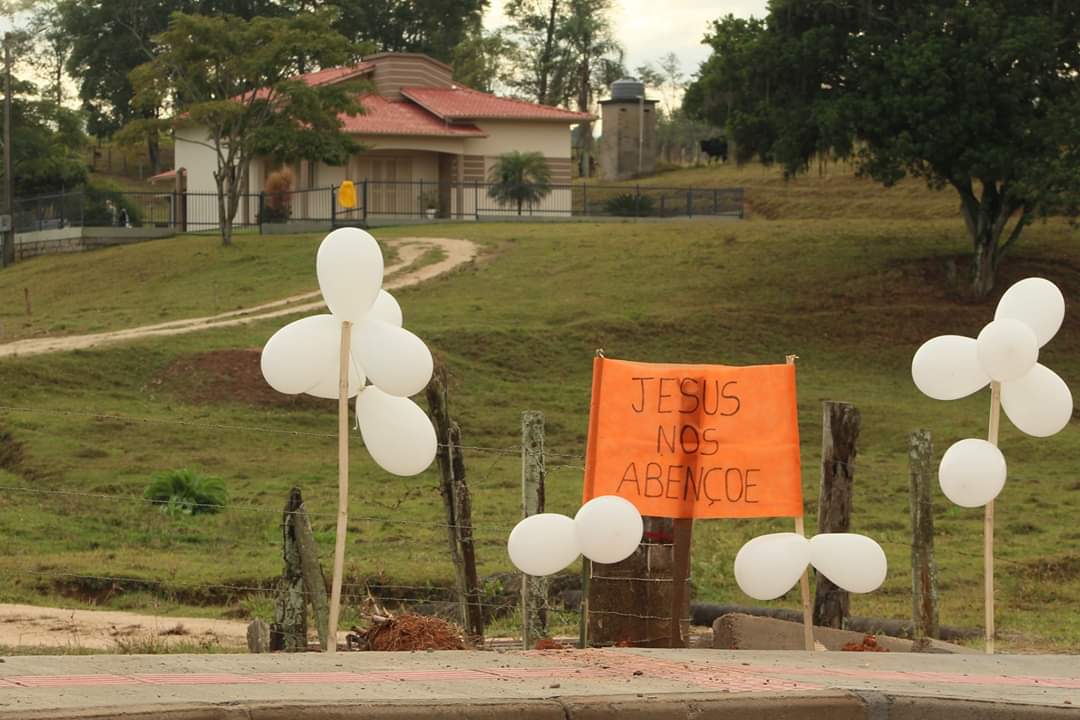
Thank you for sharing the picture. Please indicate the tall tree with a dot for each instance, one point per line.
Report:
(480, 60)
(52, 47)
(980, 96)
(234, 78)
(543, 71)
(596, 55)
(433, 27)
(48, 143)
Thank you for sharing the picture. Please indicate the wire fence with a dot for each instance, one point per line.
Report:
(500, 599)
(194, 211)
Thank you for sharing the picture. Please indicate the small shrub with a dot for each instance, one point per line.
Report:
(103, 203)
(185, 492)
(630, 205)
(278, 186)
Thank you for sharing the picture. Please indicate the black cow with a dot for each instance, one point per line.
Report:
(715, 149)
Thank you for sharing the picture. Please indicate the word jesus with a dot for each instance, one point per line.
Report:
(687, 396)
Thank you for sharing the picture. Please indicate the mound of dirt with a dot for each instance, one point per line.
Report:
(220, 376)
(413, 632)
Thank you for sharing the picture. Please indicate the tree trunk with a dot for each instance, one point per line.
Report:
(546, 59)
(983, 263)
(224, 219)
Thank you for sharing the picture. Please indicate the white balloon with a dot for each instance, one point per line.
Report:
(301, 354)
(1039, 403)
(1036, 302)
(386, 308)
(330, 384)
(947, 368)
(1007, 349)
(608, 529)
(853, 562)
(770, 565)
(395, 360)
(397, 433)
(350, 269)
(543, 544)
(972, 472)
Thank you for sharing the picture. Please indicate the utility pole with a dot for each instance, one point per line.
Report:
(9, 178)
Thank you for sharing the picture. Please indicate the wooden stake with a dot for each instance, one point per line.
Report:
(680, 573)
(988, 523)
(343, 486)
(804, 581)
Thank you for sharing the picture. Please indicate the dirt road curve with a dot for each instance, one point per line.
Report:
(457, 252)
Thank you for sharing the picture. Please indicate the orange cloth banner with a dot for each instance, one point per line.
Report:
(695, 441)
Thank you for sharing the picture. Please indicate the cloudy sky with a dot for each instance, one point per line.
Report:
(649, 29)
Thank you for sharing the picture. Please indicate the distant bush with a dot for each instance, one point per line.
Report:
(186, 492)
(630, 205)
(97, 212)
(278, 188)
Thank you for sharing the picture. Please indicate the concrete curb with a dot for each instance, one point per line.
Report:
(826, 705)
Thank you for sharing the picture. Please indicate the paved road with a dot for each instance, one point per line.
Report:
(636, 684)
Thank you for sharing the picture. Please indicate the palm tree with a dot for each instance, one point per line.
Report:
(520, 178)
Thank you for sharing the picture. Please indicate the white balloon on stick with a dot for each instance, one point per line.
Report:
(397, 433)
(395, 360)
(608, 528)
(1007, 349)
(329, 387)
(770, 565)
(947, 368)
(972, 472)
(851, 561)
(301, 354)
(1036, 302)
(543, 544)
(1039, 403)
(349, 265)
(387, 309)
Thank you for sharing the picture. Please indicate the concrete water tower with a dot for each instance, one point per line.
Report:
(628, 140)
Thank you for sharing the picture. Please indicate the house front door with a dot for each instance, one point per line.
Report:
(390, 189)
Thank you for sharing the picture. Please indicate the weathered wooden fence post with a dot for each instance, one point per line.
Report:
(289, 629)
(314, 580)
(839, 433)
(924, 599)
(534, 590)
(458, 505)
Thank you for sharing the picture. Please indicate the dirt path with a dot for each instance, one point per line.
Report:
(32, 626)
(401, 274)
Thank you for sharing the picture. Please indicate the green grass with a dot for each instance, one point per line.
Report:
(183, 277)
(853, 298)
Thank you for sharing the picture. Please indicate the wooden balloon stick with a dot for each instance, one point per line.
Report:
(343, 485)
(804, 581)
(988, 523)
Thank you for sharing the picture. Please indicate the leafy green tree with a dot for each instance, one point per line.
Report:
(48, 143)
(481, 59)
(433, 27)
(565, 50)
(234, 78)
(980, 96)
(518, 178)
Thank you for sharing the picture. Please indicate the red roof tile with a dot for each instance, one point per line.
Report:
(399, 117)
(460, 103)
(335, 74)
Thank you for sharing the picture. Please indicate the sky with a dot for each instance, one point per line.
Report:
(649, 29)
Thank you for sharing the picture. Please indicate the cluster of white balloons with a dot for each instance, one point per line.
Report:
(769, 566)
(607, 529)
(1034, 397)
(387, 363)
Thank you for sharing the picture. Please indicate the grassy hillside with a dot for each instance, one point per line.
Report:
(518, 329)
(828, 191)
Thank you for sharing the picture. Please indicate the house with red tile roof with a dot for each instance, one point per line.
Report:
(423, 134)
